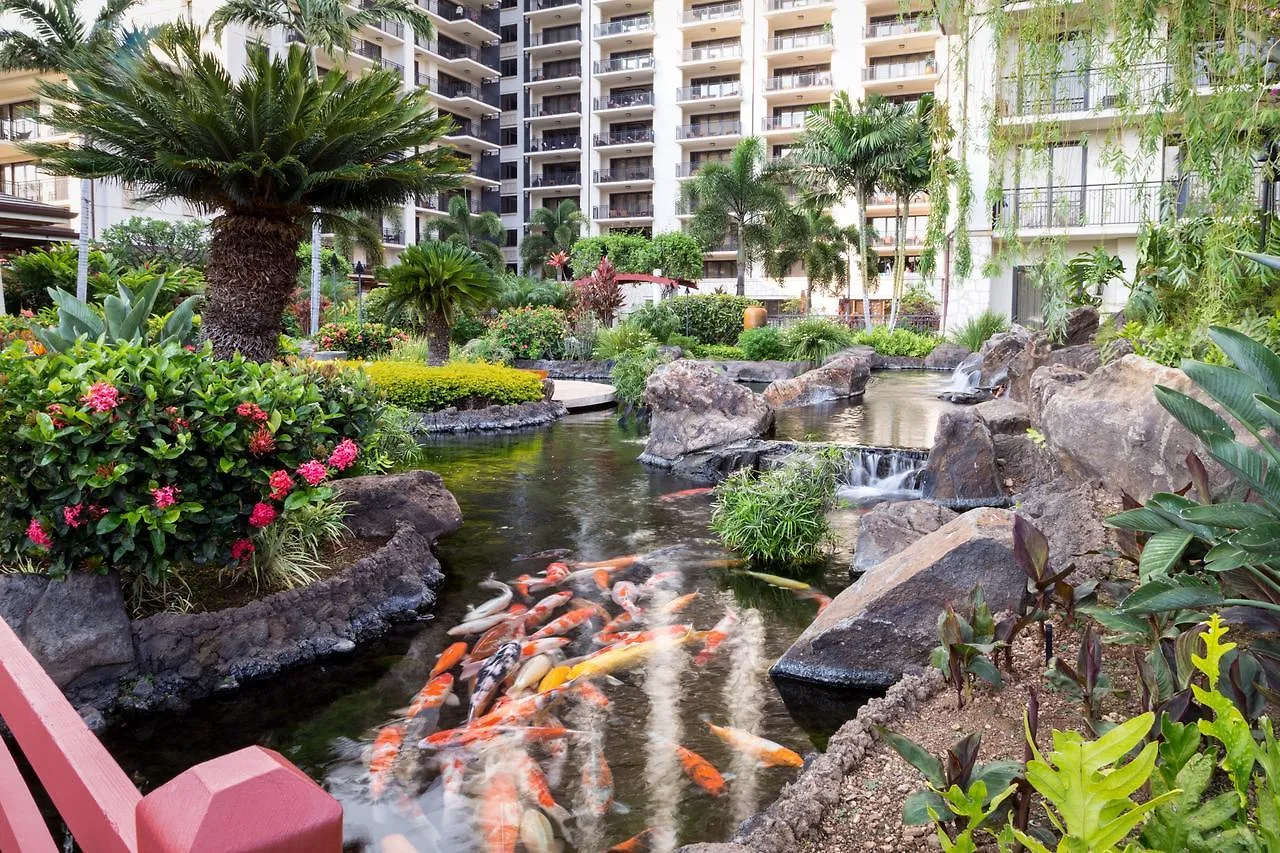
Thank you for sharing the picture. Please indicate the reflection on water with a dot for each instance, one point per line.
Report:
(741, 694)
(899, 409)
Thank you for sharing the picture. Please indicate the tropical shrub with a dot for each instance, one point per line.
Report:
(656, 319)
(149, 459)
(426, 389)
(520, 291)
(530, 332)
(897, 342)
(977, 330)
(918, 302)
(713, 318)
(165, 244)
(30, 275)
(717, 352)
(623, 337)
(467, 328)
(778, 517)
(375, 311)
(124, 317)
(814, 340)
(762, 344)
(599, 295)
(360, 341)
(961, 769)
(485, 349)
(677, 254)
(627, 252)
(630, 371)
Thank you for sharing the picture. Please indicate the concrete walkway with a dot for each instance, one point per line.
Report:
(576, 394)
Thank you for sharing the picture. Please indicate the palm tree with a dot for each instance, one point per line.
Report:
(440, 282)
(810, 236)
(909, 174)
(477, 231)
(846, 150)
(57, 38)
(551, 230)
(263, 150)
(738, 197)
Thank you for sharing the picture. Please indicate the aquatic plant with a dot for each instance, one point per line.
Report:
(897, 342)
(778, 517)
(976, 331)
(627, 335)
(815, 339)
(630, 371)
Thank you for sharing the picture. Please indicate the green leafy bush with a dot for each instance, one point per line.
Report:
(897, 342)
(623, 337)
(656, 319)
(530, 332)
(467, 329)
(778, 517)
(125, 316)
(524, 292)
(918, 302)
(359, 342)
(31, 274)
(627, 252)
(717, 352)
(814, 340)
(762, 344)
(631, 369)
(482, 349)
(677, 254)
(375, 311)
(977, 330)
(713, 318)
(426, 389)
(148, 459)
(165, 244)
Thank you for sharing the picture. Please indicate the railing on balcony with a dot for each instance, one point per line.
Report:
(709, 54)
(702, 130)
(897, 70)
(624, 137)
(784, 5)
(623, 101)
(451, 49)
(553, 143)
(786, 121)
(800, 42)
(555, 36)
(536, 5)
(902, 27)
(460, 89)
(891, 198)
(808, 80)
(617, 176)
(391, 28)
(718, 12)
(487, 18)
(366, 49)
(1085, 90)
(535, 75)
(912, 238)
(1087, 205)
(537, 110)
(728, 244)
(688, 170)
(43, 190)
(707, 91)
(617, 28)
(625, 211)
(553, 179)
(623, 63)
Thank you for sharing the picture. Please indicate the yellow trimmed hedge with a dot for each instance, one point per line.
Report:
(425, 389)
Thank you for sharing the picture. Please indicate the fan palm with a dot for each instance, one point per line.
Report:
(56, 36)
(909, 174)
(263, 150)
(846, 150)
(440, 282)
(810, 236)
(478, 232)
(551, 230)
(738, 197)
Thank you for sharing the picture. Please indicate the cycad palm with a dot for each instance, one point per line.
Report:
(739, 198)
(439, 281)
(846, 150)
(262, 150)
(329, 25)
(56, 37)
(551, 230)
(810, 236)
(909, 174)
(477, 231)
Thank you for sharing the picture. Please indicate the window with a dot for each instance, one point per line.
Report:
(512, 268)
(508, 68)
(512, 237)
(508, 204)
(509, 33)
(508, 101)
(507, 136)
(719, 269)
(509, 171)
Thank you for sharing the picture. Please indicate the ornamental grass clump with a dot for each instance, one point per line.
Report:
(778, 517)
(814, 340)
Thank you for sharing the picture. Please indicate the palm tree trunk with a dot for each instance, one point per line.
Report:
(899, 256)
(742, 263)
(864, 256)
(252, 272)
(86, 225)
(437, 339)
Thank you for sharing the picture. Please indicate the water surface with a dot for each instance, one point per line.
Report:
(899, 409)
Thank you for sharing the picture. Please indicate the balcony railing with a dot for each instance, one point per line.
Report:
(553, 179)
(786, 121)
(366, 49)
(450, 49)
(709, 54)
(624, 137)
(628, 211)
(702, 130)
(807, 80)
(688, 170)
(783, 5)
(393, 234)
(728, 244)
(617, 28)
(800, 42)
(535, 75)
(556, 36)
(615, 176)
(553, 143)
(719, 12)
(543, 109)
(913, 238)
(709, 90)
(536, 5)
(623, 101)
(1085, 90)
(905, 26)
(459, 89)
(624, 63)
(1096, 205)
(43, 190)
(897, 70)
(392, 28)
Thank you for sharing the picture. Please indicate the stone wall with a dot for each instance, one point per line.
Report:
(514, 416)
(557, 369)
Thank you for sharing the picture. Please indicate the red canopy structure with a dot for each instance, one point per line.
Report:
(640, 278)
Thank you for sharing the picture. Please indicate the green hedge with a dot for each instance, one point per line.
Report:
(426, 389)
(713, 318)
(899, 342)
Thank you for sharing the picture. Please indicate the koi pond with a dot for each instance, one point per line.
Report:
(571, 492)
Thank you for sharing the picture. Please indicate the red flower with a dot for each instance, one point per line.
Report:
(263, 442)
(344, 454)
(102, 397)
(71, 515)
(106, 470)
(262, 515)
(242, 549)
(313, 472)
(54, 409)
(281, 484)
(97, 511)
(164, 497)
(253, 412)
(36, 533)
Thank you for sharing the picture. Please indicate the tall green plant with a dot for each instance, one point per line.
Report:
(479, 232)
(550, 231)
(809, 236)
(777, 517)
(124, 319)
(976, 331)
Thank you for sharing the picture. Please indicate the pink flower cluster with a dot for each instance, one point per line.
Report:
(281, 484)
(262, 515)
(71, 515)
(313, 472)
(344, 454)
(164, 497)
(102, 397)
(37, 534)
(263, 442)
(253, 412)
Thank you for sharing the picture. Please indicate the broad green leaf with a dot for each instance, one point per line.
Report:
(1233, 515)
(1233, 389)
(1259, 363)
(1162, 553)
(1269, 408)
(1192, 414)
(1213, 813)
(916, 810)
(1141, 519)
(1259, 538)
(915, 755)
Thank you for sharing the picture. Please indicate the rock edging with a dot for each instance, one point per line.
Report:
(797, 814)
(515, 416)
(568, 368)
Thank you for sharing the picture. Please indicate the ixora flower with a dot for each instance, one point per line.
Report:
(262, 515)
(263, 442)
(102, 397)
(344, 454)
(71, 515)
(313, 472)
(164, 497)
(253, 412)
(242, 549)
(281, 484)
(36, 533)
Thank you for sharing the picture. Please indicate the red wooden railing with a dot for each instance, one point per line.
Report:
(250, 801)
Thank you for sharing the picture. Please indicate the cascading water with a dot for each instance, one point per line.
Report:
(873, 474)
(966, 375)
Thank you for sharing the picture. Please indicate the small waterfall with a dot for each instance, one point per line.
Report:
(873, 474)
(966, 375)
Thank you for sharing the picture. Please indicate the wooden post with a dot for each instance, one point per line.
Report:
(251, 801)
(21, 824)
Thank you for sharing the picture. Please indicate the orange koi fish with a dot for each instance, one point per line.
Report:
(685, 493)
(716, 636)
(660, 578)
(627, 638)
(700, 771)
(544, 608)
(641, 843)
(448, 659)
(765, 751)
(565, 624)
(613, 626)
(588, 692)
(436, 692)
(492, 640)
(453, 779)
(554, 575)
(546, 645)
(386, 746)
(624, 594)
(553, 679)
(535, 786)
(814, 595)
(469, 736)
(499, 814)
(479, 626)
(676, 605)
(597, 782)
(601, 577)
(611, 563)
(557, 752)
(525, 706)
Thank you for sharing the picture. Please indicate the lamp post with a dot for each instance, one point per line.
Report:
(360, 294)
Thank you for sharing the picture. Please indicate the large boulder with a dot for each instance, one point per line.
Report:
(694, 406)
(999, 351)
(419, 498)
(1046, 382)
(962, 462)
(887, 622)
(946, 356)
(890, 527)
(1070, 515)
(836, 380)
(1108, 429)
(1081, 325)
(1039, 353)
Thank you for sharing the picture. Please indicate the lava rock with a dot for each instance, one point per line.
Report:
(999, 351)
(968, 397)
(491, 418)
(758, 371)
(568, 369)
(1046, 382)
(712, 466)
(694, 407)
(1081, 325)
(886, 623)
(946, 356)
(380, 501)
(1068, 515)
(890, 527)
(836, 380)
(962, 462)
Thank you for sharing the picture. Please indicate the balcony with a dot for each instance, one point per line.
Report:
(27, 129)
(786, 121)
(709, 91)
(545, 5)
(455, 12)
(459, 89)
(51, 190)
(1089, 90)
(623, 64)
(542, 110)
(547, 38)
(688, 170)
(543, 74)
(395, 29)
(623, 101)
(554, 179)
(392, 235)
(624, 137)
(902, 27)
(707, 129)
(792, 82)
(789, 5)
(450, 50)
(719, 12)
(798, 12)
(629, 211)
(1119, 207)
(900, 70)
(728, 244)
(537, 144)
(610, 29)
(808, 41)
(698, 55)
(913, 238)
(622, 176)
